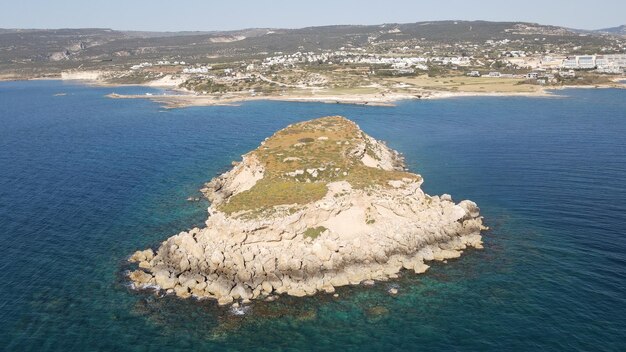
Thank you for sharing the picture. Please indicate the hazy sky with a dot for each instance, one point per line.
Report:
(176, 15)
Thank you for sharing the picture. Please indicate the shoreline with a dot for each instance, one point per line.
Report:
(184, 98)
(173, 101)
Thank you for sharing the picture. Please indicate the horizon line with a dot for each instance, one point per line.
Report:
(314, 26)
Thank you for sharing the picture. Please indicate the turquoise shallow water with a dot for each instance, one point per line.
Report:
(86, 180)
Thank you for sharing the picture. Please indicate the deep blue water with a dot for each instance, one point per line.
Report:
(86, 180)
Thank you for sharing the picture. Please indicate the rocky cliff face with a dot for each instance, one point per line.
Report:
(318, 205)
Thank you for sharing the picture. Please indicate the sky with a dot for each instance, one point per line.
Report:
(189, 15)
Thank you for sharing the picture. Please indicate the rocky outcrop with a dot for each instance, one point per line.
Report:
(353, 233)
(242, 177)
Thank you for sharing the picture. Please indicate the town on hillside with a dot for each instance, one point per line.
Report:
(463, 56)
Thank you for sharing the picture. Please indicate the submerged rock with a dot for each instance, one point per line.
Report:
(377, 311)
(354, 216)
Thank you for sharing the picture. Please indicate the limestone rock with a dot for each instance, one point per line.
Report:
(225, 300)
(140, 277)
(142, 256)
(182, 292)
(164, 281)
(364, 219)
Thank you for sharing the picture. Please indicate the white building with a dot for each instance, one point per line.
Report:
(569, 74)
(570, 64)
(586, 62)
(532, 75)
(580, 62)
(201, 69)
(602, 62)
(614, 61)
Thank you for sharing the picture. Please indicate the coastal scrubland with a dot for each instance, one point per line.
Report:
(302, 159)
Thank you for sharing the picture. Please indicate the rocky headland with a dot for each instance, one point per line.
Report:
(320, 204)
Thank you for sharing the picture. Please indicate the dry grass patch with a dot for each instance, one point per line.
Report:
(468, 84)
(269, 193)
(363, 177)
(302, 159)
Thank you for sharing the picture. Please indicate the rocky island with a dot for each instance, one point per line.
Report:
(319, 204)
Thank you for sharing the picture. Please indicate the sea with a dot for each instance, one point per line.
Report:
(86, 180)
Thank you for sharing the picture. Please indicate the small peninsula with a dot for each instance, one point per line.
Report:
(318, 205)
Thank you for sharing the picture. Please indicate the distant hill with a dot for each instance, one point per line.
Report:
(52, 50)
(620, 30)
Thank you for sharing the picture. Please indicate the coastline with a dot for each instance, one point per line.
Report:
(186, 99)
(183, 98)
